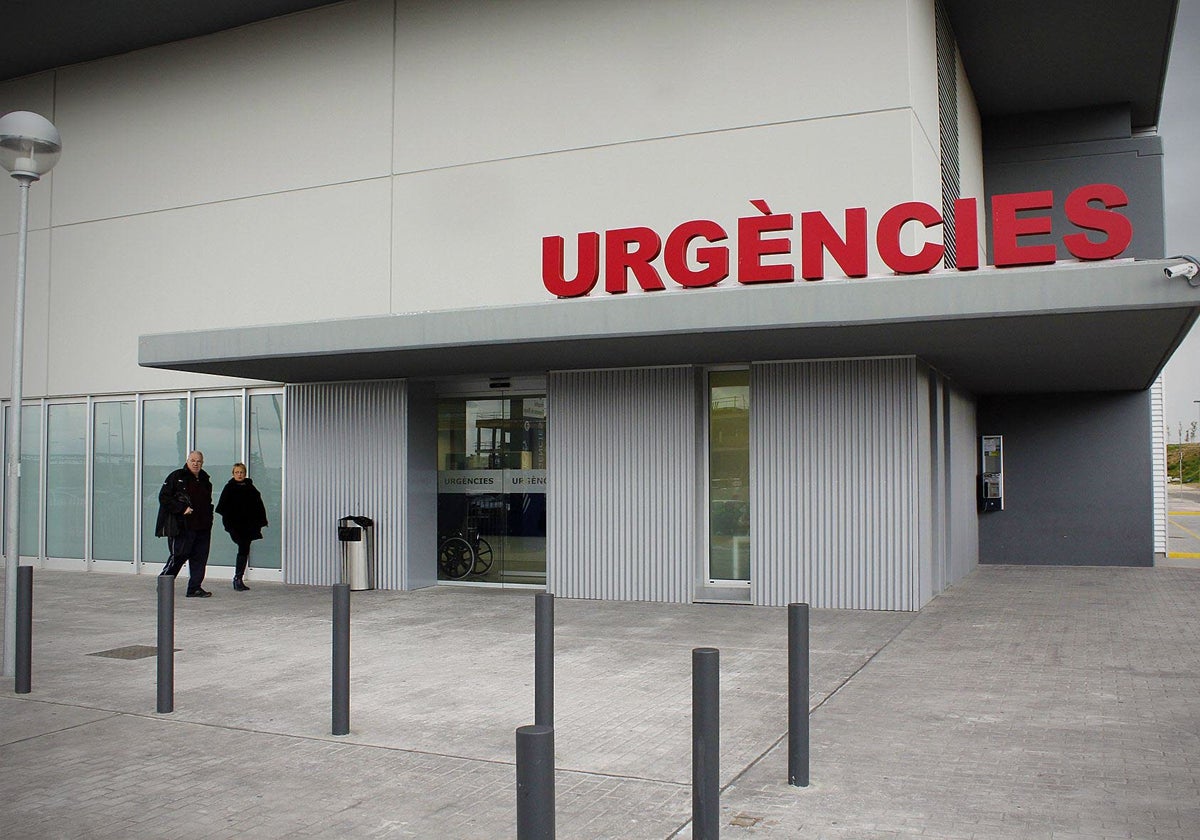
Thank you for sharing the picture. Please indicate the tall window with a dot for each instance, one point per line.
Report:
(164, 448)
(114, 482)
(27, 503)
(66, 480)
(265, 466)
(219, 437)
(729, 475)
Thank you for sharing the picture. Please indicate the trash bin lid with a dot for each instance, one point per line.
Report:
(362, 520)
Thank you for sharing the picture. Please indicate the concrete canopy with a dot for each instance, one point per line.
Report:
(1064, 327)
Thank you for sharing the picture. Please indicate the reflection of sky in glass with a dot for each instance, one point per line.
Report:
(66, 480)
(219, 433)
(265, 460)
(113, 480)
(164, 440)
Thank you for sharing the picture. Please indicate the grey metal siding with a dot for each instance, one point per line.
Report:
(962, 467)
(345, 447)
(1158, 444)
(621, 476)
(835, 474)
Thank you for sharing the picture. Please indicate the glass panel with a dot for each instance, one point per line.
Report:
(265, 469)
(525, 458)
(113, 481)
(492, 490)
(219, 437)
(66, 480)
(27, 504)
(31, 465)
(729, 475)
(164, 448)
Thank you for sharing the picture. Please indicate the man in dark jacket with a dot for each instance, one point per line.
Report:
(185, 518)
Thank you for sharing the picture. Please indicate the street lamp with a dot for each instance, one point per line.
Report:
(29, 148)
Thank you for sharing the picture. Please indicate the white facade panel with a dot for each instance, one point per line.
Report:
(621, 520)
(574, 75)
(491, 254)
(37, 308)
(289, 103)
(345, 449)
(31, 93)
(292, 257)
(834, 467)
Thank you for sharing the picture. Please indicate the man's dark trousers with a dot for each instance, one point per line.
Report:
(190, 546)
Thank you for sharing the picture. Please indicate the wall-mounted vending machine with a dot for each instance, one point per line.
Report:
(991, 472)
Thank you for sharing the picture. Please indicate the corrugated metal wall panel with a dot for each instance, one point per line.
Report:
(345, 456)
(962, 502)
(833, 462)
(1158, 440)
(622, 479)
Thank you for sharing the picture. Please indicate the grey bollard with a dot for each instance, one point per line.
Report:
(341, 659)
(798, 695)
(166, 644)
(24, 632)
(706, 743)
(543, 659)
(535, 783)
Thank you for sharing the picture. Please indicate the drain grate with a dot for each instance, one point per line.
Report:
(129, 652)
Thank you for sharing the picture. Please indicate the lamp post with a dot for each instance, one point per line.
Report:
(29, 148)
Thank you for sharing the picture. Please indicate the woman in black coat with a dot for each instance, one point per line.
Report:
(244, 516)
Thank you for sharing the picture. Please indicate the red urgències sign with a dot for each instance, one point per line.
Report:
(696, 254)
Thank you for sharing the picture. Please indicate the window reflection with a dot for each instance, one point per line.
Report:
(113, 480)
(729, 475)
(66, 480)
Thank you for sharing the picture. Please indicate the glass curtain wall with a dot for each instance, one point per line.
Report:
(93, 447)
(28, 489)
(31, 471)
(219, 437)
(66, 480)
(264, 464)
(114, 480)
(164, 448)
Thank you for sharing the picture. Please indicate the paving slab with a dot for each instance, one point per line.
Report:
(1024, 702)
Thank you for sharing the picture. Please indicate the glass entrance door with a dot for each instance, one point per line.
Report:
(492, 490)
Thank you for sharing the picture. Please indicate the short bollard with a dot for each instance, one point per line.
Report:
(24, 634)
(543, 659)
(535, 783)
(798, 695)
(166, 644)
(706, 743)
(341, 659)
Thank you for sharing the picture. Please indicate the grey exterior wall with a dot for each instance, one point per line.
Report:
(1064, 150)
(838, 495)
(1077, 480)
(621, 473)
(347, 454)
(1078, 467)
(950, 452)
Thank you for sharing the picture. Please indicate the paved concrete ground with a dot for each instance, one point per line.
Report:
(1183, 525)
(1023, 703)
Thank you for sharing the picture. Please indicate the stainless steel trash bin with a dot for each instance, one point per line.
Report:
(357, 537)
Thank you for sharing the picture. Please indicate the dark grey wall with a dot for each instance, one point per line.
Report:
(1077, 467)
(1077, 480)
(1064, 150)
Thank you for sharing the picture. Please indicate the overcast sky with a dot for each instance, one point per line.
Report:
(1179, 126)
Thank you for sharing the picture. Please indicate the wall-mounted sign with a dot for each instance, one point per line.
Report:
(699, 253)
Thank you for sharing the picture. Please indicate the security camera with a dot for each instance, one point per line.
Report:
(1186, 270)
